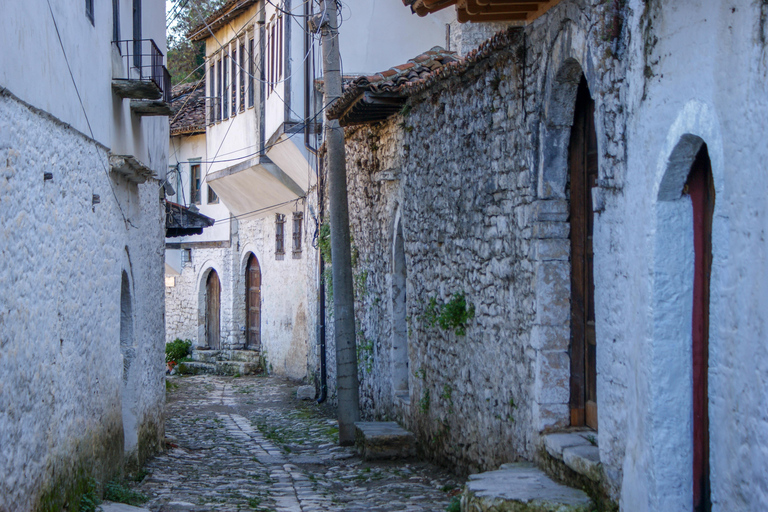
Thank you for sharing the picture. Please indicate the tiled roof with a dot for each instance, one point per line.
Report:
(188, 107)
(219, 18)
(374, 98)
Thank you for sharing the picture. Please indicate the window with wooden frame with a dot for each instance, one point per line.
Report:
(225, 84)
(213, 198)
(212, 93)
(274, 53)
(298, 218)
(242, 77)
(250, 73)
(194, 182)
(279, 234)
(218, 90)
(234, 80)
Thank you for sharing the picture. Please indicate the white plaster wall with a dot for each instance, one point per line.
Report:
(184, 151)
(28, 29)
(399, 34)
(62, 259)
(705, 64)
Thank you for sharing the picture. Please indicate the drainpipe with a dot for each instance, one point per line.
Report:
(321, 316)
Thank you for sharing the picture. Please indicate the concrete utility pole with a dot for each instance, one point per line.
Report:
(343, 295)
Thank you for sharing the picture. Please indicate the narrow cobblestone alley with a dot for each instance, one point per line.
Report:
(249, 444)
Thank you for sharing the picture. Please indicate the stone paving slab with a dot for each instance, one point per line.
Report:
(249, 443)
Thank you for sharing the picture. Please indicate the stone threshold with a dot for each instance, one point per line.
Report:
(576, 449)
(376, 440)
(521, 487)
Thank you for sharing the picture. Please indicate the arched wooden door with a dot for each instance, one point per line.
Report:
(213, 311)
(700, 187)
(582, 154)
(253, 303)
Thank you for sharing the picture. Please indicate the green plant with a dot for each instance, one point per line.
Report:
(324, 241)
(424, 402)
(420, 374)
(453, 315)
(89, 500)
(176, 350)
(592, 440)
(406, 109)
(119, 492)
(454, 505)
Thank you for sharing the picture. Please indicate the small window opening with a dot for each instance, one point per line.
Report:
(279, 234)
(213, 198)
(250, 73)
(194, 183)
(298, 217)
(89, 11)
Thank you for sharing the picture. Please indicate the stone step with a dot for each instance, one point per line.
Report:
(210, 356)
(383, 440)
(205, 356)
(521, 487)
(219, 368)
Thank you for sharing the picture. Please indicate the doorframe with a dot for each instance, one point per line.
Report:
(249, 254)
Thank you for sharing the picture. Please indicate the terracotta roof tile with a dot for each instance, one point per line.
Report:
(188, 106)
(355, 103)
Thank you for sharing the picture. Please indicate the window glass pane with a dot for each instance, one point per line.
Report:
(250, 73)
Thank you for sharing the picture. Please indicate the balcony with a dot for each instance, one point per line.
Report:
(139, 74)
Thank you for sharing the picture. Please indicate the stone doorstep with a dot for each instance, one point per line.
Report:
(108, 506)
(383, 440)
(521, 487)
(576, 451)
(211, 356)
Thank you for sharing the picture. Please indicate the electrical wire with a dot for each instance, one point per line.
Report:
(87, 121)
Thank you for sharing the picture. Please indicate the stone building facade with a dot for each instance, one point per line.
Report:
(466, 188)
(81, 344)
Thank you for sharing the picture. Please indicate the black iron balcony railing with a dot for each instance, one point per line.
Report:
(143, 62)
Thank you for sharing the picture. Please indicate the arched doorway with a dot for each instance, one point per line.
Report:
(253, 303)
(700, 188)
(582, 163)
(127, 350)
(213, 311)
(399, 313)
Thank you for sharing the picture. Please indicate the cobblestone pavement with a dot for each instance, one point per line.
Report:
(248, 444)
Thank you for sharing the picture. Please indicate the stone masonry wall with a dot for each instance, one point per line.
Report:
(72, 395)
(475, 168)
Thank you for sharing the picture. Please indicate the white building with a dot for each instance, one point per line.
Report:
(251, 281)
(81, 216)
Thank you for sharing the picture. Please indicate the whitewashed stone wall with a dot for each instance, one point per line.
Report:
(288, 293)
(71, 395)
(477, 171)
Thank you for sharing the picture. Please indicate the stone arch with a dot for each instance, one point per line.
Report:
(202, 299)
(671, 377)
(398, 298)
(128, 390)
(569, 62)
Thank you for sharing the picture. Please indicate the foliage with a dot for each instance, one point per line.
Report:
(424, 402)
(184, 56)
(453, 315)
(120, 493)
(177, 350)
(89, 500)
(324, 241)
(454, 505)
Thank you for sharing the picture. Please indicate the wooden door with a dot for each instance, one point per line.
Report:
(583, 177)
(702, 193)
(212, 311)
(253, 303)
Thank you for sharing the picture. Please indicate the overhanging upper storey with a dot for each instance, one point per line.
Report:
(252, 186)
(523, 11)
